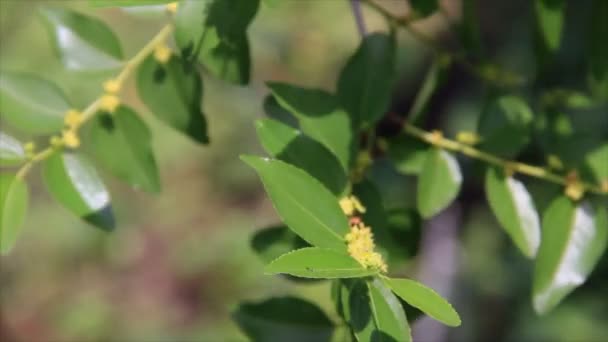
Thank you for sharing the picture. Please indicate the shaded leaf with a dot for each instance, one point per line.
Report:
(122, 144)
(513, 206)
(173, 91)
(505, 126)
(293, 147)
(11, 151)
(405, 228)
(283, 319)
(273, 110)
(424, 7)
(304, 204)
(270, 243)
(366, 82)
(314, 262)
(13, 207)
(439, 182)
(598, 49)
(425, 299)
(550, 21)
(408, 154)
(82, 42)
(74, 183)
(320, 117)
(32, 104)
(574, 239)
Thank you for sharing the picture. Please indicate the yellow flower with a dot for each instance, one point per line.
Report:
(361, 248)
(468, 138)
(604, 185)
(29, 148)
(575, 190)
(172, 7)
(109, 103)
(112, 86)
(162, 53)
(70, 139)
(554, 162)
(72, 118)
(350, 205)
(436, 137)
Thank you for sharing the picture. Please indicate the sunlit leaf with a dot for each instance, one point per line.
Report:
(293, 147)
(82, 42)
(120, 3)
(425, 299)
(304, 204)
(366, 82)
(514, 209)
(439, 182)
(32, 104)
(574, 238)
(11, 151)
(122, 144)
(550, 21)
(314, 262)
(74, 182)
(173, 91)
(283, 319)
(13, 206)
(320, 117)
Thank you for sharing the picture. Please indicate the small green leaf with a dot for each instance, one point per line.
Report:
(293, 147)
(173, 91)
(120, 3)
(215, 34)
(122, 144)
(550, 21)
(505, 126)
(513, 206)
(304, 204)
(314, 262)
(598, 49)
(270, 243)
(283, 319)
(11, 151)
(74, 183)
(366, 82)
(13, 206)
(574, 238)
(596, 163)
(320, 117)
(373, 312)
(439, 182)
(424, 7)
(408, 154)
(425, 299)
(273, 110)
(82, 42)
(32, 104)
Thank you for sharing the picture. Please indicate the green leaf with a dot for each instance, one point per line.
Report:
(320, 117)
(74, 182)
(11, 151)
(425, 299)
(270, 243)
(434, 76)
(505, 126)
(122, 144)
(408, 154)
(373, 312)
(366, 82)
(32, 104)
(283, 319)
(598, 50)
(13, 206)
(574, 238)
(120, 3)
(439, 182)
(173, 91)
(424, 7)
(215, 34)
(405, 228)
(595, 163)
(82, 42)
(304, 204)
(550, 21)
(293, 147)
(513, 206)
(314, 262)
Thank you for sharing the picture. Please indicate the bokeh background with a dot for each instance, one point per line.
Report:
(179, 262)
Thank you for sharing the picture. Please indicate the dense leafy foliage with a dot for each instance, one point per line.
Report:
(334, 223)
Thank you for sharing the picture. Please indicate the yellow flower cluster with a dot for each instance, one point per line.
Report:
(109, 103)
(574, 188)
(162, 53)
(350, 205)
(69, 137)
(361, 247)
(172, 7)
